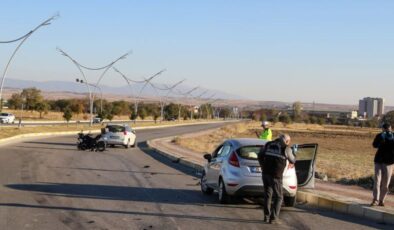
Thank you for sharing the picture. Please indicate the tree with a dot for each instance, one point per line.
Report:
(77, 106)
(263, 117)
(41, 107)
(133, 116)
(313, 119)
(142, 113)
(155, 116)
(15, 102)
(110, 116)
(285, 118)
(33, 96)
(389, 118)
(321, 120)
(171, 111)
(297, 110)
(67, 115)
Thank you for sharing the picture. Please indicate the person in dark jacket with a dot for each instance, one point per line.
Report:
(384, 160)
(272, 159)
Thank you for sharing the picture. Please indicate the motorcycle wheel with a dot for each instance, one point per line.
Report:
(100, 146)
(82, 146)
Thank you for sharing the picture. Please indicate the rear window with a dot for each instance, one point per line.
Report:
(4, 114)
(116, 128)
(249, 152)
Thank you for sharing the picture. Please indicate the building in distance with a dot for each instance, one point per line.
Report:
(370, 107)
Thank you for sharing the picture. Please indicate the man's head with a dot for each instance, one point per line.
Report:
(386, 127)
(286, 138)
(265, 124)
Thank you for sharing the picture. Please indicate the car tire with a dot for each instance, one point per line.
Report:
(224, 198)
(100, 146)
(290, 201)
(204, 187)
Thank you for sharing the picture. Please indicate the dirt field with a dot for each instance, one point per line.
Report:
(345, 153)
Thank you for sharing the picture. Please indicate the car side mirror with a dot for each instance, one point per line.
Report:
(208, 157)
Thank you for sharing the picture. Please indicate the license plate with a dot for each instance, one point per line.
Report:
(114, 137)
(255, 169)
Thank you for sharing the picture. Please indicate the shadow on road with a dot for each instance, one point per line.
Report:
(50, 143)
(39, 147)
(120, 171)
(111, 192)
(181, 216)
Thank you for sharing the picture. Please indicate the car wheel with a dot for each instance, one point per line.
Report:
(204, 187)
(100, 146)
(290, 201)
(224, 198)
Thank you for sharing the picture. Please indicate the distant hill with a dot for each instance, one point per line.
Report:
(73, 87)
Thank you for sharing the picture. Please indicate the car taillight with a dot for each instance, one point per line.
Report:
(125, 132)
(290, 166)
(233, 160)
(293, 187)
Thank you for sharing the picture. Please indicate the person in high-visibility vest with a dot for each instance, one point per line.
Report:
(266, 134)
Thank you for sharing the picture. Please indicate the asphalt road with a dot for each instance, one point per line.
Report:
(48, 184)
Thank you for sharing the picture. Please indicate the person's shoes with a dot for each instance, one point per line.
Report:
(374, 203)
(274, 221)
(381, 203)
(266, 219)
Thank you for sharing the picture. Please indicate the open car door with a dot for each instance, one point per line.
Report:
(305, 165)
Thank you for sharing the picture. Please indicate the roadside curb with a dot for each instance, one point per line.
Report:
(324, 202)
(352, 208)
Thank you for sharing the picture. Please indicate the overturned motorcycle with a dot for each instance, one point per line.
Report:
(86, 141)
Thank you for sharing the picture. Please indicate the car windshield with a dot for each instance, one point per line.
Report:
(249, 152)
(116, 128)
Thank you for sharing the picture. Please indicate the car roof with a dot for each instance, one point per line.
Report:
(241, 142)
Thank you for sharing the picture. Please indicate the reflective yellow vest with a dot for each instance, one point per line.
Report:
(266, 135)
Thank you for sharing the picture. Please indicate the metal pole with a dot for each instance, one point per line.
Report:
(23, 38)
(79, 66)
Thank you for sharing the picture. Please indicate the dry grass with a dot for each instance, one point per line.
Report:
(344, 152)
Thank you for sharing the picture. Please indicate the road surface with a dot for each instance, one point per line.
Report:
(48, 184)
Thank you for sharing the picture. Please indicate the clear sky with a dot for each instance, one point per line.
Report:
(333, 51)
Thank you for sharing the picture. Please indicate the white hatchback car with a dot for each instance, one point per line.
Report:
(120, 134)
(233, 170)
(7, 118)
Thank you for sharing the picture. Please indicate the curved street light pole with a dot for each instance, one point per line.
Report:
(163, 101)
(187, 94)
(97, 87)
(22, 39)
(146, 81)
(88, 85)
